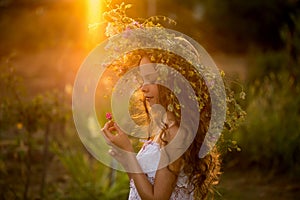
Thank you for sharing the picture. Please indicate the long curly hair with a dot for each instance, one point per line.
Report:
(203, 173)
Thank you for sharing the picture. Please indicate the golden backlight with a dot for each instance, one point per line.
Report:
(94, 19)
(94, 11)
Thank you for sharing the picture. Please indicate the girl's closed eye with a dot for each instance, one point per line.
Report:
(150, 79)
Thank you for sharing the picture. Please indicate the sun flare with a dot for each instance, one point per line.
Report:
(94, 11)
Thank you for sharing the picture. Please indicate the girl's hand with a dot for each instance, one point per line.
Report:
(119, 142)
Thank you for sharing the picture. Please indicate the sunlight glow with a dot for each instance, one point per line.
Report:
(94, 11)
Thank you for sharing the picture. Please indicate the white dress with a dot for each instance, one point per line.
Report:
(148, 158)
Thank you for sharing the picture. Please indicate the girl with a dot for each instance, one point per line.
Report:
(150, 173)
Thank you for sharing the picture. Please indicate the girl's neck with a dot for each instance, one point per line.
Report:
(156, 131)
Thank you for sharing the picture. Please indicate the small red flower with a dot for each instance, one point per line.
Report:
(108, 116)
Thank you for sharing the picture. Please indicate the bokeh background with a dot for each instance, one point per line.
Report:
(44, 42)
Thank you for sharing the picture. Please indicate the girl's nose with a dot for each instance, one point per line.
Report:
(145, 88)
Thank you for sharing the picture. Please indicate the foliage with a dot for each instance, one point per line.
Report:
(35, 162)
(88, 178)
(237, 21)
(118, 21)
(271, 135)
(25, 134)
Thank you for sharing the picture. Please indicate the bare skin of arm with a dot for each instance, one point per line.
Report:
(165, 179)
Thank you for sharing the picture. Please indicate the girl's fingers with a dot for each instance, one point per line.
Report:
(108, 124)
(117, 128)
(106, 131)
(112, 129)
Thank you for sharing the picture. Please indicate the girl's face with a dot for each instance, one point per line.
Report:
(149, 88)
(151, 93)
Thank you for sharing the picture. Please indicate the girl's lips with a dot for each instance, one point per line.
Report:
(148, 98)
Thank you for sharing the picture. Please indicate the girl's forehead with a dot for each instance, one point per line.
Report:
(145, 60)
(147, 69)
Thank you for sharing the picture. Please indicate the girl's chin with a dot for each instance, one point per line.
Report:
(151, 103)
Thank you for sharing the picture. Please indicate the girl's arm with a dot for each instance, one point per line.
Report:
(165, 178)
(164, 183)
